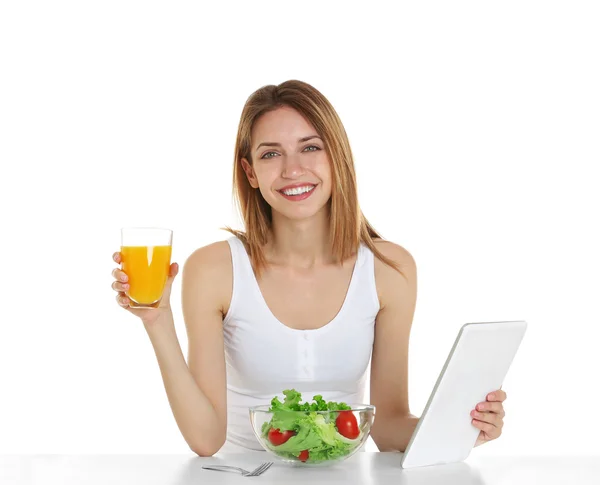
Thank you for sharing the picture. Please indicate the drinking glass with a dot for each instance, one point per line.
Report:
(146, 259)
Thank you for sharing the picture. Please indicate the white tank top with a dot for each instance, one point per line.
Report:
(263, 356)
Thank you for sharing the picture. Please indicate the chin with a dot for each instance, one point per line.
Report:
(302, 213)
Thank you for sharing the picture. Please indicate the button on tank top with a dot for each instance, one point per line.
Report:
(263, 356)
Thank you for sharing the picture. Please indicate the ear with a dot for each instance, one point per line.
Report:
(250, 173)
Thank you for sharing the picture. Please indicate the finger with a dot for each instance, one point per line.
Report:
(119, 275)
(122, 300)
(493, 407)
(117, 257)
(491, 418)
(498, 395)
(121, 287)
(489, 429)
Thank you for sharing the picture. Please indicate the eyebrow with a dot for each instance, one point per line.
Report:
(273, 144)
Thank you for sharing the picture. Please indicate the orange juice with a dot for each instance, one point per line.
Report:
(147, 269)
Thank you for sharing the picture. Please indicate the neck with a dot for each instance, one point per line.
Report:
(300, 243)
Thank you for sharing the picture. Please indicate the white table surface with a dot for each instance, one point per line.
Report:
(364, 468)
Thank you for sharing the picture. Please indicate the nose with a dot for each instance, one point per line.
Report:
(292, 167)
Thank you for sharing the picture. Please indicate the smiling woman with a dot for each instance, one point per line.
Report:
(305, 298)
(312, 150)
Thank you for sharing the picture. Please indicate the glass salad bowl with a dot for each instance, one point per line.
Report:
(312, 437)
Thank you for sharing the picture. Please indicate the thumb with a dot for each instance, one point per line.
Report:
(173, 271)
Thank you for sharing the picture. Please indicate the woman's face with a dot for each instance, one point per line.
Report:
(291, 168)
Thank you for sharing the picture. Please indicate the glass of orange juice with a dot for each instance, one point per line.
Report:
(146, 259)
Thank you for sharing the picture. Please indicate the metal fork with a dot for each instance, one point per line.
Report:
(254, 473)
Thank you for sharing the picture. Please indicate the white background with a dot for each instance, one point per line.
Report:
(475, 130)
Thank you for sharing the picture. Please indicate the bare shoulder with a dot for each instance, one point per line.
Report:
(388, 280)
(211, 257)
(394, 251)
(207, 273)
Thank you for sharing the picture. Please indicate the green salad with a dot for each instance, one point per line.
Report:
(310, 436)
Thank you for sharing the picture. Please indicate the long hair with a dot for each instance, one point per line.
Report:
(348, 225)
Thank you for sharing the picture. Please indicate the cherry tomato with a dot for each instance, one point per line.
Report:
(277, 437)
(303, 456)
(347, 425)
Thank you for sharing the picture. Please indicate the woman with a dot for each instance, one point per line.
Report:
(303, 299)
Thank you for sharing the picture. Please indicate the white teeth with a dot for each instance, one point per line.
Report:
(298, 190)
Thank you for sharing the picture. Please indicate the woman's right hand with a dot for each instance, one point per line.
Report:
(148, 315)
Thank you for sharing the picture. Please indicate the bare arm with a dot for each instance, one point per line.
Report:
(196, 391)
(394, 424)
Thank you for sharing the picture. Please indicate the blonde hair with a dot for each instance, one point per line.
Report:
(348, 225)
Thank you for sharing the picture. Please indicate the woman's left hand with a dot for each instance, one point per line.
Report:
(489, 417)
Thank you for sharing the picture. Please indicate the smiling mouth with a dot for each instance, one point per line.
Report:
(297, 190)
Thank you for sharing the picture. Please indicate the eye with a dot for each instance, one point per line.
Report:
(265, 157)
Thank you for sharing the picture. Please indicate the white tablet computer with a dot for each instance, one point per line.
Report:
(477, 364)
